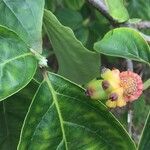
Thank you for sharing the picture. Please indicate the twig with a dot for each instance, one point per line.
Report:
(141, 25)
(100, 6)
(130, 119)
(129, 64)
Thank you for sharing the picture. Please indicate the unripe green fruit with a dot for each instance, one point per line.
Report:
(95, 91)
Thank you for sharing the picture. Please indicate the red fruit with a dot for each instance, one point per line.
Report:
(132, 85)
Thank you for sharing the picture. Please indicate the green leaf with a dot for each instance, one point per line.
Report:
(75, 61)
(51, 5)
(25, 18)
(142, 7)
(145, 142)
(12, 114)
(62, 117)
(17, 64)
(117, 10)
(69, 18)
(82, 34)
(147, 84)
(74, 4)
(141, 109)
(126, 43)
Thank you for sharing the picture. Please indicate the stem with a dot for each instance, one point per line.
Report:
(42, 60)
(130, 119)
(129, 64)
(5, 118)
(130, 111)
(140, 25)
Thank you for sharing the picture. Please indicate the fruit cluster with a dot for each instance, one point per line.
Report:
(117, 87)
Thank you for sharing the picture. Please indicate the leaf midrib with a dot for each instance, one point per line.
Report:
(6, 124)
(55, 100)
(15, 58)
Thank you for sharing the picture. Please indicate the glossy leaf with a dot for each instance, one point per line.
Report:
(25, 18)
(82, 34)
(12, 113)
(143, 8)
(145, 140)
(62, 117)
(74, 4)
(69, 18)
(117, 10)
(17, 64)
(75, 61)
(141, 109)
(126, 43)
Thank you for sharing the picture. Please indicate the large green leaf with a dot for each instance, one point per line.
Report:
(117, 10)
(126, 43)
(74, 4)
(62, 117)
(25, 18)
(12, 114)
(69, 18)
(82, 34)
(75, 61)
(17, 64)
(143, 8)
(145, 139)
(51, 5)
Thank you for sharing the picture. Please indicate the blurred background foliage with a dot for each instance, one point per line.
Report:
(90, 26)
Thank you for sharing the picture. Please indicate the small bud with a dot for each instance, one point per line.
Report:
(89, 92)
(113, 96)
(42, 60)
(105, 84)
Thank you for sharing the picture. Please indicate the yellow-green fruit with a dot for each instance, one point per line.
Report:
(111, 104)
(95, 91)
(121, 102)
(112, 79)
